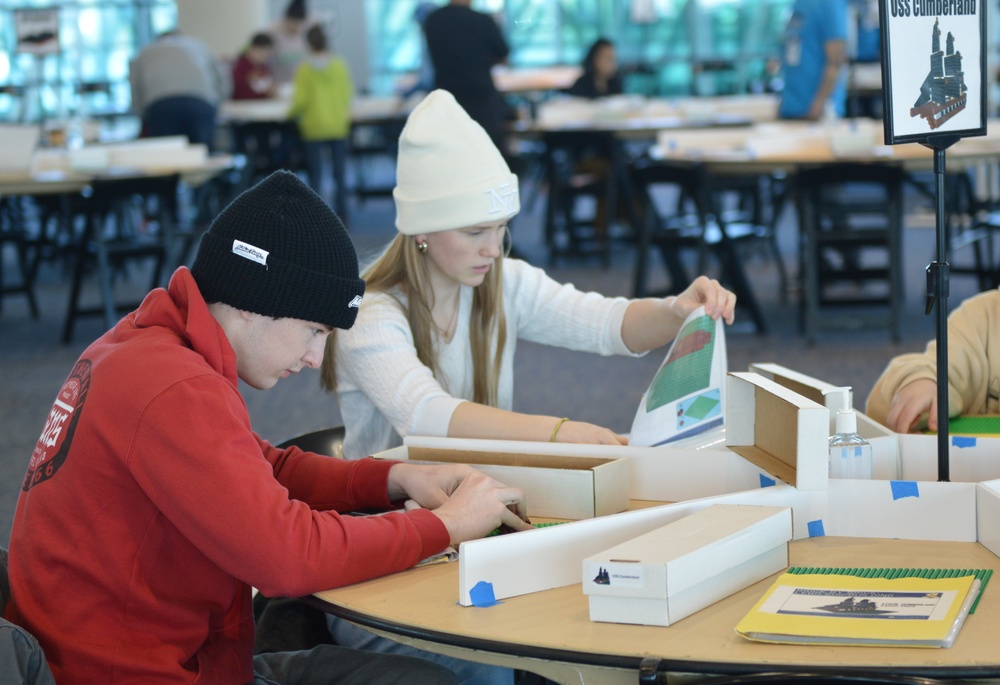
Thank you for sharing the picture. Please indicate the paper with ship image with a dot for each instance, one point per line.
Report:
(686, 395)
(833, 609)
(934, 80)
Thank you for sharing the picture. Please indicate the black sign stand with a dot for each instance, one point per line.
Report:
(937, 298)
(943, 95)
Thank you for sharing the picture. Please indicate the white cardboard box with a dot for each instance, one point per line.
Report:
(699, 466)
(678, 569)
(885, 446)
(971, 459)
(988, 515)
(555, 486)
(168, 152)
(778, 430)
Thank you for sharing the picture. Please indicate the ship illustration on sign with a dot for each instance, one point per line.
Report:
(851, 606)
(943, 93)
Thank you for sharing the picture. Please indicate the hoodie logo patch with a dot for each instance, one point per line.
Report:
(54, 443)
(251, 252)
(356, 302)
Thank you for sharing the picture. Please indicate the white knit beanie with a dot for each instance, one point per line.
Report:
(449, 174)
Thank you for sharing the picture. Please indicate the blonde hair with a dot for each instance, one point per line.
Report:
(402, 265)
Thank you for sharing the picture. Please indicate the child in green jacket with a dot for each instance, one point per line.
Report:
(321, 104)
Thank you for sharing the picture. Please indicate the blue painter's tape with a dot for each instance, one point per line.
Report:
(766, 482)
(963, 441)
(482, 594)
(816, 529)
(904, 488)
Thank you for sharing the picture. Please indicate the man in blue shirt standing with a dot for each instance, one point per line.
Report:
(814, 57)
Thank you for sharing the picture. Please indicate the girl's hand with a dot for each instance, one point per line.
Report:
(707, 292)
(910, 403)
(588, 434)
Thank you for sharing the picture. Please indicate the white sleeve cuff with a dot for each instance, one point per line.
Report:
(433, 417)
(614, 333)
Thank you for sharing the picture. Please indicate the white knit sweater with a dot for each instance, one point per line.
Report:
(385, 392)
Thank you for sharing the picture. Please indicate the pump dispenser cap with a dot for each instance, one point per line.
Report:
(847, 420)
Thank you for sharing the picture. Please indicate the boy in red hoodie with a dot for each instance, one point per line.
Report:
(150, 507)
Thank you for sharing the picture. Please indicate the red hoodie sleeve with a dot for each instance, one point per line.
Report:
(341, 486)
(245, 507)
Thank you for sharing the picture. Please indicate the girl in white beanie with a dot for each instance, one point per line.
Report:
(432, 350)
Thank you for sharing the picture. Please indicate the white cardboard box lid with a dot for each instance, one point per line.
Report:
(689, 551)
(664, 612)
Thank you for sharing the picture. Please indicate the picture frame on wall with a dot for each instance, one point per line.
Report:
(933, 69)
(37, 31)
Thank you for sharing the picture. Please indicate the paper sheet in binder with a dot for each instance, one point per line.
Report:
(687, 394)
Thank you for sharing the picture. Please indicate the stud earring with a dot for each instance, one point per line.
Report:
(422, 246)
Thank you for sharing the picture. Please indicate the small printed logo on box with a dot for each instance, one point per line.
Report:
(619, 574)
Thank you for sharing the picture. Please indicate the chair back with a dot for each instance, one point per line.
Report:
(851, 227)
(107, 193)
(851, 188)
(688, 180)
(580, 164)
(694, 226)
(327, 441)
(564, 150)
(127, 240)
(663, 193)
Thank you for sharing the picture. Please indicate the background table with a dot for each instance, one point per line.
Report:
(787, 145)
(782, 151)
(64, 193)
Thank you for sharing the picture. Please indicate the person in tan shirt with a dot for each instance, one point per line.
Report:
(905, 396)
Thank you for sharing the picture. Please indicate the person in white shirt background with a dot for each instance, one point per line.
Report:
(432, 350)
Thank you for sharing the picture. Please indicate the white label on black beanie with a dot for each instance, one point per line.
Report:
(251, 252)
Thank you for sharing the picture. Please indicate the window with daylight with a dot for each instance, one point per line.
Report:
(666, 47)
(82, 68)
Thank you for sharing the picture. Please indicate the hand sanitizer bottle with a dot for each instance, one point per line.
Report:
(850, 454)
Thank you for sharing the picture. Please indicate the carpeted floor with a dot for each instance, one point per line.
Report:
(33, 363)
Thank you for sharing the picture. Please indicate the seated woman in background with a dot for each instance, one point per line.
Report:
(432, 350)
(600, 75)
(905, 396)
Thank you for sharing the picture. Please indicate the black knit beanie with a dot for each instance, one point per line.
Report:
(280, 251)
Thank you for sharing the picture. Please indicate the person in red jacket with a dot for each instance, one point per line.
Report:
(253, 78)
(150, 507)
